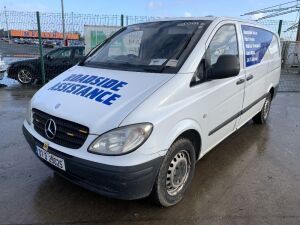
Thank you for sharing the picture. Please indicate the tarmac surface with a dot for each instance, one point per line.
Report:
(289, 83)
(20, 50)
(252, 177)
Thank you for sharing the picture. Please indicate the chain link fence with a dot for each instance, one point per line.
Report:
(286, 34)
(19, 40)
(290, 57)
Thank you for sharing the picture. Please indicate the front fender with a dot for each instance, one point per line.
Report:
(179, 128)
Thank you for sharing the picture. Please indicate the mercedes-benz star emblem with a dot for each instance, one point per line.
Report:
(50, 129)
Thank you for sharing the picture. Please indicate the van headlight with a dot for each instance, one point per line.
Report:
(28, 113)
(121, 140)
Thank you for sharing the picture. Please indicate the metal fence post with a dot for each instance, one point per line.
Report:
(8, 35)
(279, 27)
(40, 47)
(122, 20)
(63, 23)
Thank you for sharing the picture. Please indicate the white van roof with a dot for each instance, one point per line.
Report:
(211, 18)
(185, 18)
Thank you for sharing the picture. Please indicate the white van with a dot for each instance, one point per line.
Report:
(136, 114)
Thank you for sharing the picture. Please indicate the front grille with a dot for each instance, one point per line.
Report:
(68, 134)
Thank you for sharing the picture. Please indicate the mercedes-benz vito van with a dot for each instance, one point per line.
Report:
(135, 115)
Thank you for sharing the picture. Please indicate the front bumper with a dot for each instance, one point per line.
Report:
(122, 182)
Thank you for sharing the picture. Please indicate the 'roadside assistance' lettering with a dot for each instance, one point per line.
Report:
(99, 89)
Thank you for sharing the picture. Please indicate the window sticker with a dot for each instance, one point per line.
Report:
(172, 63)
(157, 62)
(256, 42)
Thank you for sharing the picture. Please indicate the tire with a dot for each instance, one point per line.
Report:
(168, 191)
(262, 116)
(25, 75)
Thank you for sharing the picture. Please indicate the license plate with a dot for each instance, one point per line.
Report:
(50, 158)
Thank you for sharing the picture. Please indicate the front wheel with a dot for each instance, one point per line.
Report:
(25, 76)
(175, 174)
(263, 115)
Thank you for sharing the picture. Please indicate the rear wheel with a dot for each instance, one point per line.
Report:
(263, 115)
(175, 174)
(25, 76)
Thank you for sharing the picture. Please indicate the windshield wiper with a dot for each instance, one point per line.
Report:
(137, 67)
(149, 69)
(126, 66)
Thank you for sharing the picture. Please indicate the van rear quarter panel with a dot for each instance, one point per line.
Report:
(275, 63)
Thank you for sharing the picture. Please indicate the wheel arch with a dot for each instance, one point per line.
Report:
(272, 91)
(188, 129)
(27, 66)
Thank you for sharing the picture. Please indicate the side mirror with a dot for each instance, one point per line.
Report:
(226, 66)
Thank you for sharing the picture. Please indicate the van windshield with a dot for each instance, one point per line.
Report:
(149, 47)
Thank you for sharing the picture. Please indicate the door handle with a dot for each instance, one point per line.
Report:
(240, 81)
(249, 77)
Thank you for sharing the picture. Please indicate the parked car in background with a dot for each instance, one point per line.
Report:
(2, 68)
(16, 40)
(36, 42)
(6, 39)
(27, 41)
(75, 43)
(56, 62)
(49, 44)
(21, 41)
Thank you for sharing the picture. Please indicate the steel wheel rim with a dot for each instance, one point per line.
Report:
(266, 108)
(178, 172)
(24, 76)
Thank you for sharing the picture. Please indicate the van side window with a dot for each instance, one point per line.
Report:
(257, 42)
(224, 42)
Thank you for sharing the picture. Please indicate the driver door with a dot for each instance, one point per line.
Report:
(222, 98)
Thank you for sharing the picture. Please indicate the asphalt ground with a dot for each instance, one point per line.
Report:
(289, 83)
(252, 177)
(20, 50)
